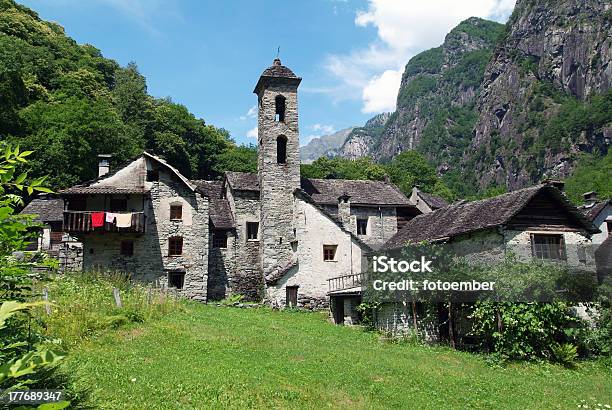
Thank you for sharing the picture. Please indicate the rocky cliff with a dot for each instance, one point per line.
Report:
(543, 92)
(363, 140)
(506, 105)
(435, 104)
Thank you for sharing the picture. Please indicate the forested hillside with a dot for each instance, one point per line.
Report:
(69, 103)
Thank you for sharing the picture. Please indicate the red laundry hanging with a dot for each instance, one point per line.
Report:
(97, 219)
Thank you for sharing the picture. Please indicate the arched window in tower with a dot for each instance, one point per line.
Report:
(280, 108)
(281, 150)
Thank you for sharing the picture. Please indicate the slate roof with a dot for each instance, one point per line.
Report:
(242, 181)
(92, 186)
(592, 212)
(434, 202)
(220, 213)
(47, 209)
(108, 190)
(327, 191)
(276, 71)
(466, 217)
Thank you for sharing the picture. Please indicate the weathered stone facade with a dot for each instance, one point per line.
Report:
(253, 235)
(150, 259)
(278, 164)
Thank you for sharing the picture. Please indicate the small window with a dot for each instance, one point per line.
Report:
(176, 279)
(118, 205)
(175, 246)
(362, 226)
(127, 248)
(582, 256)
(291, 296)
(219, 238)
(547, 247)
(329, 252)
(153, 175)
(176, 212)
(252, 231)
(280, 108)
(281, 150)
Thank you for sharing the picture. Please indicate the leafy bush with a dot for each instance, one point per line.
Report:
(526, 330)
(564, 353)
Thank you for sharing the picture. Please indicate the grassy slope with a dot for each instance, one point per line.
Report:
(213, 357)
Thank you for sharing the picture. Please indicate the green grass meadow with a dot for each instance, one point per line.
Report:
(218, 357)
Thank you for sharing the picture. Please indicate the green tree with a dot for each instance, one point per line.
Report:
(242, 158)
(410, 169)
(592, 173)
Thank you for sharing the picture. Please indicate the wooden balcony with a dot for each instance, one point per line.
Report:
(80, 221)
(345, 282)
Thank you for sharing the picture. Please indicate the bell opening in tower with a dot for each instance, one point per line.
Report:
(280, 108)
(281, 150)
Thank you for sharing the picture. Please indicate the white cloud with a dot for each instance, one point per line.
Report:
(323, 129)
(404, 28)
(381, 92)
(252, 133)
(251, 113)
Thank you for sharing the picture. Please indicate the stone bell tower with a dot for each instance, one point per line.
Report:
(278, 162)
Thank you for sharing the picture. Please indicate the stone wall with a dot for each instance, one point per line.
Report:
(313, 230)
(221, 267)
(70, 255)
(578, 247)
(396, 319)
(150, 261)
(382, 223)
(277, 182)
(600, 222)
(247, 277)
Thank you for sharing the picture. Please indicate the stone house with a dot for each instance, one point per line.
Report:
(270, 235)
(426, 202)
(165, 236)
(600, 214)
(537, 222)
(48, 211)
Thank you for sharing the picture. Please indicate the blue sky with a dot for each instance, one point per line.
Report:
(208, 55)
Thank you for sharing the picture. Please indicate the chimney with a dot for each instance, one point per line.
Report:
(590, 198)
(103, 164)
(344, 210)
(560, 185)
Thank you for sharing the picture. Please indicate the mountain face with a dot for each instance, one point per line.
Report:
(499, 105)
(545, 93)
(364, 139)
(325, 146)
(435, 104)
